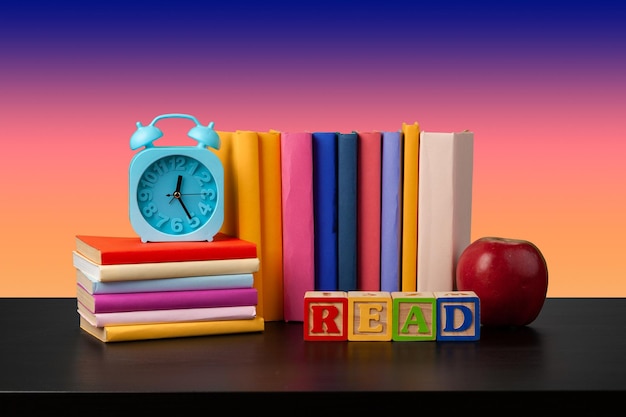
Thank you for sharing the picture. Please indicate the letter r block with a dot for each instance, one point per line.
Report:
(414, 316)
(458, 316)
(326, 316)
(370, 315)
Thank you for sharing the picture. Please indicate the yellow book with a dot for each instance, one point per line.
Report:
(271, 225)
(239, 153)
(124, 333)
(225, 154)
(410, 194)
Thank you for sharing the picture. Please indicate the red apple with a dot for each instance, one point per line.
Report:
(510, 277)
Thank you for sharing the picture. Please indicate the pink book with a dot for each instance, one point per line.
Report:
(368, 210)
(166, 300)
(298, 233)
(167, 316)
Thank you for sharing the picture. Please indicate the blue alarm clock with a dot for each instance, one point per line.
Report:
(176, 192)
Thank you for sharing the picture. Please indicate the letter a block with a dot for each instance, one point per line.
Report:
(326, 316)
(458, 316)
(414, 316)
(370, 315)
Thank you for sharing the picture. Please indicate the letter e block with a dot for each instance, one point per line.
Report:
(326, 316)
(458, 316)
(370, 315)
(414, 316)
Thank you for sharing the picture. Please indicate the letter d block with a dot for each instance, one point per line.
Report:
(414, 316)
(370, 315)
(326, 316)
(458, 316)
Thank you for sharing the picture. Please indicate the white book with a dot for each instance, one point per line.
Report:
(157, 270)
(445, 206)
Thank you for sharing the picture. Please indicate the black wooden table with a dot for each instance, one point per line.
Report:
(575, 350)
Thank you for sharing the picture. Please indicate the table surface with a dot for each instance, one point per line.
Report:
(576, 344)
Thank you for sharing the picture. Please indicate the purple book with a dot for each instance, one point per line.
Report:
(167, 300)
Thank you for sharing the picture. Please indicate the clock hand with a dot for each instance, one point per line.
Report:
(177, 195)
(180, 200)
(178, 184)
(182, 194)
(177, 191)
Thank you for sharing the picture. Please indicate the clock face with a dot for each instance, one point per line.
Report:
(177, 195)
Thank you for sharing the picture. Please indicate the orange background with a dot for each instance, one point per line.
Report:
(545, 100)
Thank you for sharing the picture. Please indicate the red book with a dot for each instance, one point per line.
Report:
(110, 250)
(368, 210)
(166, 300)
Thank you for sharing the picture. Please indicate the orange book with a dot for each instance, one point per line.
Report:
(271, 225)
(111, 250)
(410, 194)
(239, 153)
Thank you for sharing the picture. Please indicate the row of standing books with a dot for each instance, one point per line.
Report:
(128, 290)
(375, 210)
(378, 210)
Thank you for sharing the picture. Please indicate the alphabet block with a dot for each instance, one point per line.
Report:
(370, 315)
(458, 316)
(414, 316)
(326, 315)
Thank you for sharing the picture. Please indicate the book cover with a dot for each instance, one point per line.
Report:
(325, 209)
(225, 154)
(240, 157)
(445, 206)
(203, 282)
(368, 211)
(298, 223)
(347, 165)
(166, 300)
(109, 250)
(391, 210)
(148, 331)
(271, 225)
(166, 316)
(158, 270)
(410, 207)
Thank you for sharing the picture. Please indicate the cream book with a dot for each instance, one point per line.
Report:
(445, 207)
(128, 272)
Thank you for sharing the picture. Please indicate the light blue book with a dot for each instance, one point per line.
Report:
(391, 211)
(206, 282)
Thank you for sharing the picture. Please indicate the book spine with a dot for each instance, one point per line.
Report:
(125, 250)
(169, 316)
(168, 300)
(445, 207)
(298, 221)
(325, 209)
(410, 207)
(159, 270)
(171, 330)
(368, 211)
(207, 282)
(245, 164)
(391, 211)
(347, 164)
(271, 224)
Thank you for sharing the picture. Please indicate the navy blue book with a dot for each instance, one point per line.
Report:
(347, 164)
(325, 209)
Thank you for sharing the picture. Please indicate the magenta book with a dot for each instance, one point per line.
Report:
(166, 300)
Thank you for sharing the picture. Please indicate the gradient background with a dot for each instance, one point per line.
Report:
(541, 84)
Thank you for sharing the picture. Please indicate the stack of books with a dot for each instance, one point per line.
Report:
(128, 290)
